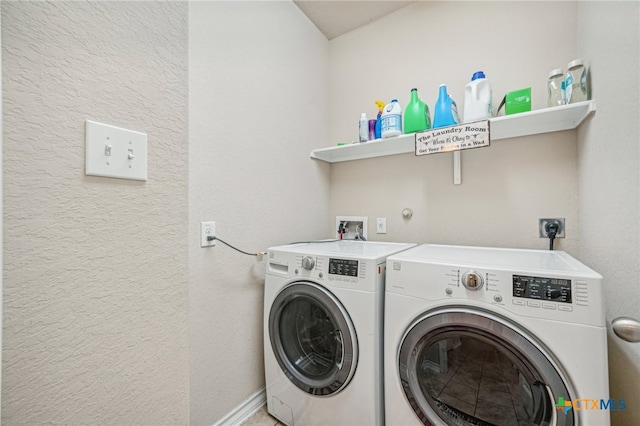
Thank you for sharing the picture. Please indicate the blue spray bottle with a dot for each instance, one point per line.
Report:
(378, 127)
(445, 112)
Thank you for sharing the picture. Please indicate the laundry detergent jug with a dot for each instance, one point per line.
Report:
(416, 114)
(392, 120)
(477, 99)
(445, 112)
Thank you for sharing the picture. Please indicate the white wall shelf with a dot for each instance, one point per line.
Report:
(554, 119)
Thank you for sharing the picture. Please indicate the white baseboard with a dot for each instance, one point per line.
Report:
(245, 410)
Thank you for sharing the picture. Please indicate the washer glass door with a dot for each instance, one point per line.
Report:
(313, 338)
(470, 367)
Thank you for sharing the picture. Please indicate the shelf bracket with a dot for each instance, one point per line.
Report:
(457, 179)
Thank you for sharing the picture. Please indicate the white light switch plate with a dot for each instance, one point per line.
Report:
(115, 152)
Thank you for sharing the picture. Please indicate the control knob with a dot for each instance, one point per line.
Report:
(308, 263)
(472, 280)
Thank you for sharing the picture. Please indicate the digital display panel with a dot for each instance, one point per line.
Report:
(541, 288)
(344, 267)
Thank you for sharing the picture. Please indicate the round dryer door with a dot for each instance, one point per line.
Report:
(313, 338)
(461, 366)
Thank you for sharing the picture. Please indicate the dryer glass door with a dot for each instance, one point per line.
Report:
(313, 338)
(465, 367)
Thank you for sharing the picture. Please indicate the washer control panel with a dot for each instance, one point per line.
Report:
(341, 272)
(345, 267)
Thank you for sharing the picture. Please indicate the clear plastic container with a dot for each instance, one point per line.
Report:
(575, 83)
(363, 127)
(555, 88)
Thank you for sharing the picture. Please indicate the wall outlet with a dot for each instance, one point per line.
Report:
(207, 229)
(381, 225)
(542, 223)
(353, 227)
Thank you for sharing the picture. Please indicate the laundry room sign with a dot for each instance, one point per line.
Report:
(453, 138)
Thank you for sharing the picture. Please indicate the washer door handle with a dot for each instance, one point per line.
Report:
(627, 329)
(554, 413)
(341, 363)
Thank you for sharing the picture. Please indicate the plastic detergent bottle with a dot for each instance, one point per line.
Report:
(364, 128)
(445, 112)
(416, 114)
(477, 99)
(378, 128)
(392, 119)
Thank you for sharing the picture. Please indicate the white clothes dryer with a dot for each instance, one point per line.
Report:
(323, 308)
(489, 336)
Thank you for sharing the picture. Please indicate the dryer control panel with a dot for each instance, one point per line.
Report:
(542, 288)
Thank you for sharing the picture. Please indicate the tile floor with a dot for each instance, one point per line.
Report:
(262, 418)
(478, 380)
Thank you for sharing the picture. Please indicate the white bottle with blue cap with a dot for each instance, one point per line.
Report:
(391, 120)
(477, 99)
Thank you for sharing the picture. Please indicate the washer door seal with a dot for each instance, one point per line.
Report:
(313, 338)
(466, 366)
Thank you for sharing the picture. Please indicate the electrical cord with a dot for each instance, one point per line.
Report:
(552, 230)
(212, 238)
(329, 241)
(314, 241)
(264, 253)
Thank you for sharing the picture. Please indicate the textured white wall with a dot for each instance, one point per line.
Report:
(506, 187)
(1, 209)
(609, 180)
(96, 269)
(258, 103)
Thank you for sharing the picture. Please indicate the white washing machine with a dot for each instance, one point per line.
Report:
(323, 308)
(488, 336)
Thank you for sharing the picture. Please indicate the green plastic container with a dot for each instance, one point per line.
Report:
(518, 101)
(416, 114)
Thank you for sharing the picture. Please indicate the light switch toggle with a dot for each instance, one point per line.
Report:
(107, 150)
(130, 154)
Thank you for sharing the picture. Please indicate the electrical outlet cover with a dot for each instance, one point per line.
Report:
(542, 232)
(207, 229)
